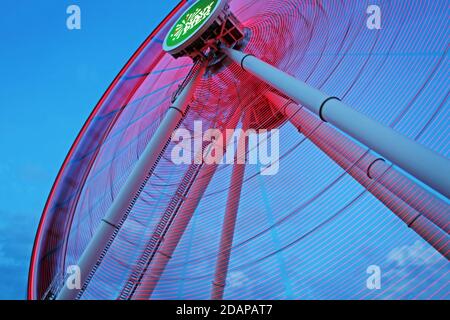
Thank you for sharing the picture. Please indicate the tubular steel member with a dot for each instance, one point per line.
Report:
(424, 164)
(229, 223)
(170, 242)
(419, 209)
(129, 193)
(344, 151)
(161, 229)
(195, 33)
(158, 233)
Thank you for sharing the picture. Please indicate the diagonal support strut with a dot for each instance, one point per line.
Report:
(118, 212)
(401, 195)
(424, 164)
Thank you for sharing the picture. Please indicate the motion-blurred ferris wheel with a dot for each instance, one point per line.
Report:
(139, 226)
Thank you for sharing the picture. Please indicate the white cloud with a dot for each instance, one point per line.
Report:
(5, 260)
(417, 254)
(237, 279)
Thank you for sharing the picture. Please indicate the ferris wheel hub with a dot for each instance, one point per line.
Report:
(202, 28)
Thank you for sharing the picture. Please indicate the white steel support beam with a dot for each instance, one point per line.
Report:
(129, 193)
(422, 163)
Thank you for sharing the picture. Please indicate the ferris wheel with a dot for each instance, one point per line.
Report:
(356, 169)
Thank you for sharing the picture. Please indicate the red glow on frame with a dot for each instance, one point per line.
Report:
(31, 295)
(310, 35)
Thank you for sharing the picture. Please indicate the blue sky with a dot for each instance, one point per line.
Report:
(51, 80)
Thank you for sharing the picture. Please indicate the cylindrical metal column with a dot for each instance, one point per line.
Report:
(229, 224)
(374, 175)
(179, 225)
(432, 234)
(345, 152)
(424, 164)
(129, 193)
(162, 257)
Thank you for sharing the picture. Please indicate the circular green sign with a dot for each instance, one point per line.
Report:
(190, 22)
